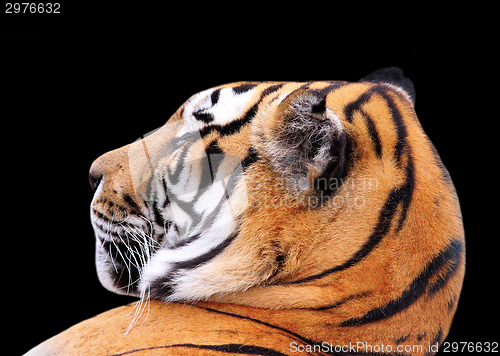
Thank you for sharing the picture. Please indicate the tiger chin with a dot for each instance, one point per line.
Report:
(319, 212)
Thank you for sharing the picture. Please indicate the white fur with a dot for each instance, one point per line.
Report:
(230, 106)
(103, 262)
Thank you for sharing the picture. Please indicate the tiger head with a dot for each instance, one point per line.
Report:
(286, 195)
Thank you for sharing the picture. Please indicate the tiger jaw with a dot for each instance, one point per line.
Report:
(121, 255)
(138, 265)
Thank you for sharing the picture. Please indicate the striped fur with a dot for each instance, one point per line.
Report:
(287, 215)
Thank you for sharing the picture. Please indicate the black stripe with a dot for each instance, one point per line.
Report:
(452, 302)
(449, 261)
(206, 257)
(105, 231)
(243, 88)
(214, 97)
(226, 348)
(271, 89)
(402, 339)
(228, 129)
(346, 299)
(203, 116)
(451, 256)
(239, 349)
(438, 337)
(165, 191)
(291, 333)
(131, 204)
(185, 242)
(374, 135)
(100, 215)
(356, 105)
(332, 87)
(250, 159)
(397, 118)
(175, 176)
(235, 125)
(158, 215)
(405, 192)
(108, 221)
(381, 229)
(165, 286)
(212, 149)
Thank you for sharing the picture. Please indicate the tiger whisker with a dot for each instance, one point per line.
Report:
(138, 256)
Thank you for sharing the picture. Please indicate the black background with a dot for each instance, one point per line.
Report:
(77, 86)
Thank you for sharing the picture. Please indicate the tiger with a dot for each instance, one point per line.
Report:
(277, 218)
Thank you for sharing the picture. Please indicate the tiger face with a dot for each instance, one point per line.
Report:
(285, 195)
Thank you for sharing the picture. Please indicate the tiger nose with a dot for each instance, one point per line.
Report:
(113, 165)
(94, 178)
(96, 172)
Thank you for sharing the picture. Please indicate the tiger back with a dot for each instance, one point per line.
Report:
(275, 219)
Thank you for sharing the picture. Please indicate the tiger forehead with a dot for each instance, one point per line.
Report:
(222, 114)
(240, 95)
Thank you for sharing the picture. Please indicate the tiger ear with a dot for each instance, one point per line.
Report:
(394, 76)
(306, 142)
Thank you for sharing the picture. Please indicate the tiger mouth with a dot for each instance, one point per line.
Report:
(126, 261)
